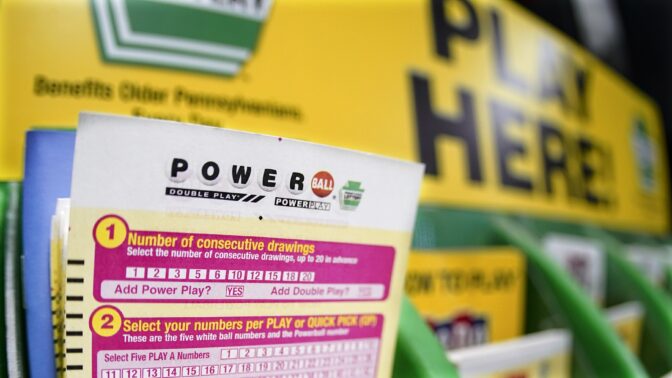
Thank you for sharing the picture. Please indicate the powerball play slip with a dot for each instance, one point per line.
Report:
(202, 252)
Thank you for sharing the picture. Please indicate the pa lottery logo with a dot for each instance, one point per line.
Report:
(322, 184)
(350, 195)
(134, 32)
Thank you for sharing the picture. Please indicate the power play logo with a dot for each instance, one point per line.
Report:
(212, 36)
(460, 331)
(240, 178)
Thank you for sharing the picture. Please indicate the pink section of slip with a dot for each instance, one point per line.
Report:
(236, 268)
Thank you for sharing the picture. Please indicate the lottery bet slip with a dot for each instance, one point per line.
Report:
(197, 251)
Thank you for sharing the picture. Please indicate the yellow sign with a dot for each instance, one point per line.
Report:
(469, 297)
(505, 112)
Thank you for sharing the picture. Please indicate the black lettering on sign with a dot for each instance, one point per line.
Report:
(566, 160)
(581, 78)
(503, 279)
(594, 164)
(553, 161)
(446, 29)
(551, 75)
(456, 281)
(505, 74)
(507, 148)
(561, 79)
(419, 283)
(431, 125)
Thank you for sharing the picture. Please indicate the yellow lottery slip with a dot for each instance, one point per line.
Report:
(540, 355)
(198, 251)
(627, 319)
(469, 297)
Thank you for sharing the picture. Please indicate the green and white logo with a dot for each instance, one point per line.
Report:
(350, 195)
(644, 149)
(213, 36)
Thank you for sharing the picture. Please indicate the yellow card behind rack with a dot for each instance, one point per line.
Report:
(469, 296)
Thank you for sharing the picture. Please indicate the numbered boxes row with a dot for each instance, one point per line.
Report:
(293, 365)
(245, 368)
(299, 350)
(164, 372)
(135, 272)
